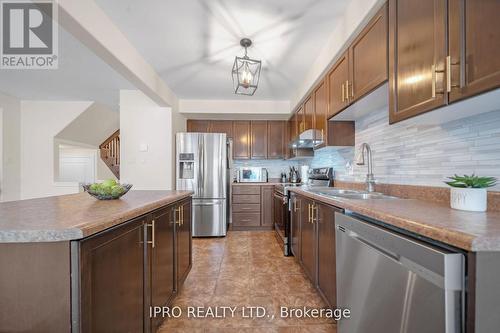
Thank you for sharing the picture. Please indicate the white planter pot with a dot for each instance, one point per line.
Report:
(470, 199)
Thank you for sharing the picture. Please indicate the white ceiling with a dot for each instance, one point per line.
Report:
(81, 76)
(192, 43)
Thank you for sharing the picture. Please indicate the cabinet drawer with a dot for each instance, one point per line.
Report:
(246, 189)
(246, 219)
(246, 208)
(246, 199)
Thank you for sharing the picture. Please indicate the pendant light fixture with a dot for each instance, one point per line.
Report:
(246, 72)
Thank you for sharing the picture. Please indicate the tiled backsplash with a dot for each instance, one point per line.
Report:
(274, 167)
(411, 154)
(421, 154)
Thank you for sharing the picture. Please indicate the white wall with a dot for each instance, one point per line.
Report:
(234, 109)
(143, 122)
(10, 176)
(41, 121)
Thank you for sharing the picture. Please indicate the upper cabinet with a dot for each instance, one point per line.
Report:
(321, 113)
(338, 79)
(441, 52)
(241, 140)
(276, 131)
(301, 125)
(222, 126)
(368, 56)
(474, 44)
(198, 126)
(417, 57)
(308, 113)
(258, 140)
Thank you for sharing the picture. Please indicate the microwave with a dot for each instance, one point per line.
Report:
(252, 175)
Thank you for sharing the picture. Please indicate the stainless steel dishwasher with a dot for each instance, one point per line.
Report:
(393, 283)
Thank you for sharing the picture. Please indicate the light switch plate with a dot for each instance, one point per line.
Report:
(143, 148)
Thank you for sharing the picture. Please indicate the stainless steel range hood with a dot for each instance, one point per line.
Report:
(307, 139)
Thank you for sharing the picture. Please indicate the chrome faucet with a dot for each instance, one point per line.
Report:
(360, 160)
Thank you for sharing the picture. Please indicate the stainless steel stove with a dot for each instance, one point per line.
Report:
(320, 177)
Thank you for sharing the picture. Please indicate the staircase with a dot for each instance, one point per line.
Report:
(110, 153)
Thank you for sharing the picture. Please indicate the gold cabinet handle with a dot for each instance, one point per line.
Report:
(434, 79)
(343, 92)
(152, 241)
(182, 215)
(347, 91)
(352, 90)
(177, 220)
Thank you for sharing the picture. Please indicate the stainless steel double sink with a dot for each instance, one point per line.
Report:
(347, 194)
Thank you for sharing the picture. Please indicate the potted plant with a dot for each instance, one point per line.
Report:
(469, 192)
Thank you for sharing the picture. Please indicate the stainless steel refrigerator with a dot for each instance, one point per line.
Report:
(203, 162)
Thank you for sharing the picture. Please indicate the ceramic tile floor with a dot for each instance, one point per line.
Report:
(246, 269)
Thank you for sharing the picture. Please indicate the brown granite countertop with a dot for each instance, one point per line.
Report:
(270, 183)
(470, 231)
(75, 216)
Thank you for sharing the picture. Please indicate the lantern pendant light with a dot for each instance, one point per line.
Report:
(246, 72)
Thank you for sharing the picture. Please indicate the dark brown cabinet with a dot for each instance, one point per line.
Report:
(241, 140)
(162, 261)
(198, 126)
(325, 221)
(258, 130)
(474, 45)
(301, 125)
(417, 57)
(276, 131)
(309, 113)
(112, 279)
(267, 208)
(183, 236)
(313, 243)
(338, 80)
(368, 57)
(222, 126)
(308, 245)
(295, 222)
(321, 113)
(128, 268)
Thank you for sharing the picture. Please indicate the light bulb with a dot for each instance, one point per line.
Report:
(246, 78)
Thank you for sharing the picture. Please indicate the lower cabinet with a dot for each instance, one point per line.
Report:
(295, 215)
(112, 281)
(325, 223)
(126, 269)
(252, 207)
(313, 243)
(308, 245)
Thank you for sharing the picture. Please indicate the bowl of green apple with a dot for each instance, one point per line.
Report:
(107, 190)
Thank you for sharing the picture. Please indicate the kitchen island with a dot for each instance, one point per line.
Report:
(474, 235)
(75, 264)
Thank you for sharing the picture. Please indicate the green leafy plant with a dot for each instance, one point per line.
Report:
(472, 181)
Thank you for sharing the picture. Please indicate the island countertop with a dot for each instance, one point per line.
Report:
(469, 231)
(75, 216)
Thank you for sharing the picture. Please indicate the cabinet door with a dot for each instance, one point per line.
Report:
(241, 140)
(474, 28)
(295, 216)
(222, 126)
(308, 240)
(276, 139)
(112, 279)
(183, 234)
(368, 56)
(325, 220)
(259, 139)
(321, 113)
(198, 126)
(295, 126)
(338, 79)
(417, 57)
(300, 120)
(267, 208)
(162, 261)
(309, 113)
